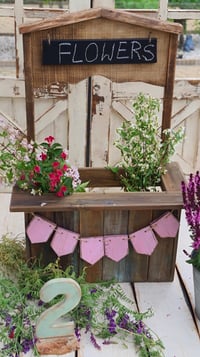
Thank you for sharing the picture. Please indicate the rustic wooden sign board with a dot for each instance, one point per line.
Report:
(94, 51)
(99, 25)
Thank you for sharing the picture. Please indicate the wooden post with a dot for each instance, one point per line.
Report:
(78, 114)
(104, 3)
(79, 5)
(19, 19)
(163, 10)
(30, 112)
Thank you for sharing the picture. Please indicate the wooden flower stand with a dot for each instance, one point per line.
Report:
(98, 214)
(139, 49)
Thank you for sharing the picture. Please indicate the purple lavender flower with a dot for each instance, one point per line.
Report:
(124, 322)
(191, 201)
(8, 320)
(40, 303)
(140, 327)
(77, 333)
(94, 342)
(29, 296)
(93, 291)
(110, 314)
(27, 344)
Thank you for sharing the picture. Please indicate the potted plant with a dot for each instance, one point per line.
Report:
(191, 200)
(36, 168)
(145, 150)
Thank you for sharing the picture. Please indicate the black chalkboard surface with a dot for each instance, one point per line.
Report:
(116, 51)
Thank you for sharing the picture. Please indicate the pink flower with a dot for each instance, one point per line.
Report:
(37, 169)
(49, 139)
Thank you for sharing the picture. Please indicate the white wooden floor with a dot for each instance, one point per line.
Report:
(173, 319)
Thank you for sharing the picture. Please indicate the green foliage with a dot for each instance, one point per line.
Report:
(189, 4)
(197, 26)
(195, 259)
(144, 154)
(154, 4)
(137, 4)
(12, 253)
(104, 311)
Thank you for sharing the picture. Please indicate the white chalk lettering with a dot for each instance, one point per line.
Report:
(147, 51)
(121, 49)
(62, 52)
(74, 60)
(135, 48)
(89, 52)
(102, 51)
(109, 55)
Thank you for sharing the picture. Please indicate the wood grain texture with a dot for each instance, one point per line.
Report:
(116, 15)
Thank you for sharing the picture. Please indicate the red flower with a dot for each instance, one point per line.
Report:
(43, 156)
(65, 167)
(63, 155)
(49, 139)
(22, 177)
(59, 173)
(11, 333)
(37, 169)
(55, 164)
(62, 191)
(54, 179)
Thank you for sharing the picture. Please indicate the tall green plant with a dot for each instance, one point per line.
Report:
(143, 153)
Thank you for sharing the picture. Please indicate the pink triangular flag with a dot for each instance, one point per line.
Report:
(116, 246)
(40, 229)
(144, 241)
(64, 241)
(91, 249)
(166, 226)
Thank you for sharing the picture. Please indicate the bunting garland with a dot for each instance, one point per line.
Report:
(116, 246)
(92, 249)
(144, 241)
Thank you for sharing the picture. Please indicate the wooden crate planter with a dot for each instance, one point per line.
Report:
(114, 213)
(99, 214)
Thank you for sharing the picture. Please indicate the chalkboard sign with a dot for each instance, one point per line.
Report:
(116, 51)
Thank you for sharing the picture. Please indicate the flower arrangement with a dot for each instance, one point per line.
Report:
(105, 313)
(191, 201)
(38, 168)
(144, 155)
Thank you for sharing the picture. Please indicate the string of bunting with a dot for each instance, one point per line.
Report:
(92, 249)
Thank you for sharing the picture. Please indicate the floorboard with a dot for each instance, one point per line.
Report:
(172, 319)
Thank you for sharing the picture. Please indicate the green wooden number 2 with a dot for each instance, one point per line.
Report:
(48, 324)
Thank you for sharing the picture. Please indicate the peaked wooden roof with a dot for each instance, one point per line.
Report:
(91, 14)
